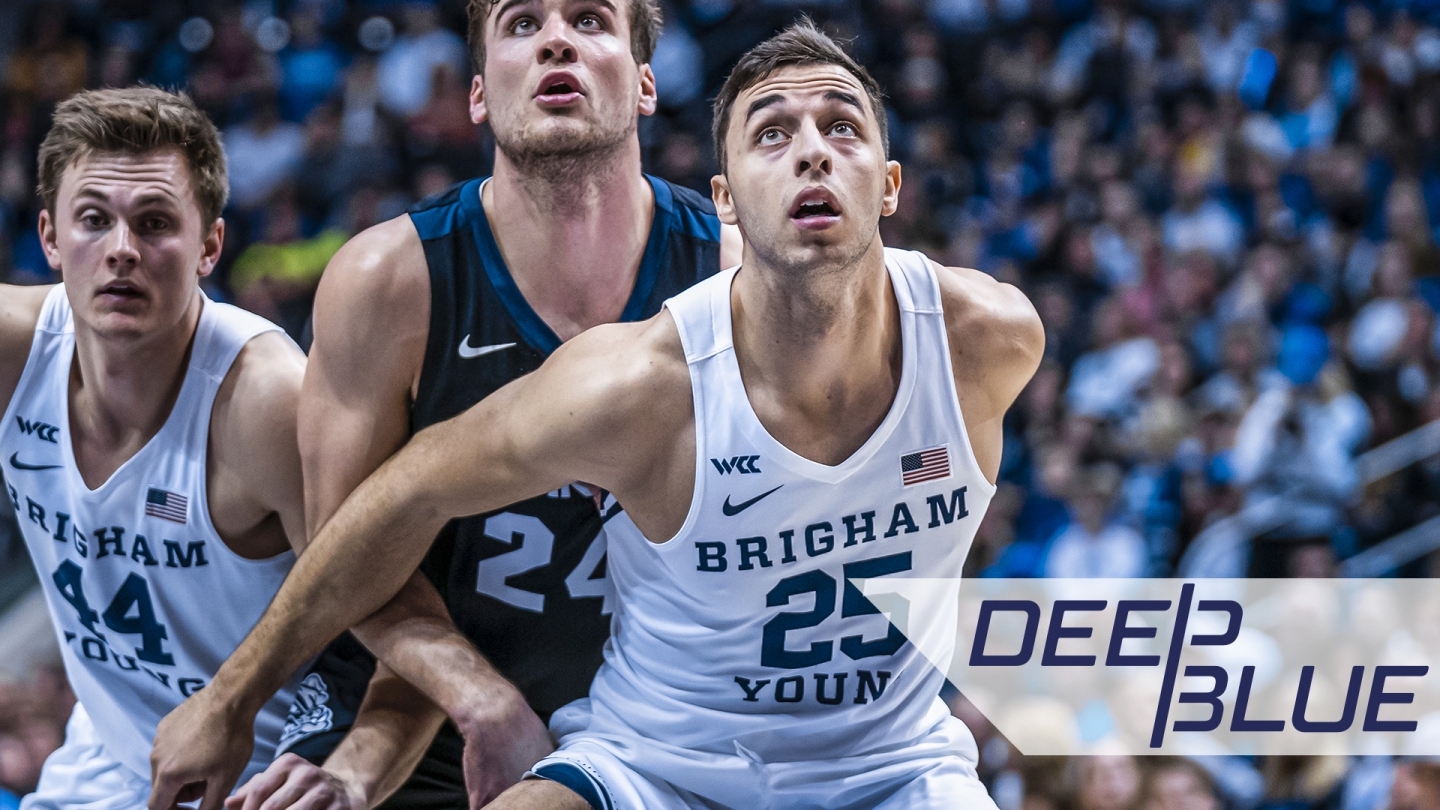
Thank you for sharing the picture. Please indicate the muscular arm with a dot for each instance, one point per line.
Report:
(607, 407)
(575, 419)
(996, 343)
(372, 315)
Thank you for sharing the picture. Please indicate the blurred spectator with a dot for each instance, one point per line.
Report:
(53, 63)
(406, 70)
(1179, 784)
(1416, 787)
(1093, 543)
(310, 67)
(262, 154)
(32, 725)
(1105, 783)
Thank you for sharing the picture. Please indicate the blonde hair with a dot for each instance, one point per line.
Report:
(134, 121)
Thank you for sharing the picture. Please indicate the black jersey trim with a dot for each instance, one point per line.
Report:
(532, 327)
(654, 251)
(667, 216)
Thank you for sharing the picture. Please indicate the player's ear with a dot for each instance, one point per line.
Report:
(210, 250)
(724, 205)
(48, 235)
(648, 97)
(891, 201)
(477, 100)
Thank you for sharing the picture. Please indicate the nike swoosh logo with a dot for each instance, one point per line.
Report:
(732, 511)
(20, 465)
(467, 351)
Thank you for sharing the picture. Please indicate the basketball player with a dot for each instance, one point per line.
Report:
(421, 317)
(830, 411)
(149, 435)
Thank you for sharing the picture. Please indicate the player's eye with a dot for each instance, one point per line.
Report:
(589, 22)
(522, 25)
(153, 224)
(770, 137)
(844, 129)
(93, 220)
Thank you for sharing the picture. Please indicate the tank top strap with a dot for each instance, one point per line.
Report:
(702, 315)
(222, 332)
(55, 315)
(916, 288)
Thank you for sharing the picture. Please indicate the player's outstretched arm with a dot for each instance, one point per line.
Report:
(996, 343)
(392, 730)
(371, 327)
(589, 413)
(19, 310)
(254, 484)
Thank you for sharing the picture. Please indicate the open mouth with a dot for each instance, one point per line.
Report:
(559, 88)
(815, 208)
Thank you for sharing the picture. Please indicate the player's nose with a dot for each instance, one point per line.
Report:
(811, 150)
(556, 42)
(121, 249)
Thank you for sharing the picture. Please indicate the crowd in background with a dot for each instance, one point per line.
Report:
(1225, 211)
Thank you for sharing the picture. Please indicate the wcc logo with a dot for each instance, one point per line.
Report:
(40, 430)
(740, 464)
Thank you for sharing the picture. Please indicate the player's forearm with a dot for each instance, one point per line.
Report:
(437, 659)
(414, 636)
(392, 731)
(357, 562)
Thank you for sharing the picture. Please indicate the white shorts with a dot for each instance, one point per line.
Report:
(625, 772)
(81, 774)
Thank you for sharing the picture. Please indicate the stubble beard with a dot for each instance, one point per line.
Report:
(559, 167)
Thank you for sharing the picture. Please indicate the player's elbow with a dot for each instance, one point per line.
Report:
(1020, 331)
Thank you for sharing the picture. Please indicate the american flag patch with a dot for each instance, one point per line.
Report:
(926, 465)
(166, 505)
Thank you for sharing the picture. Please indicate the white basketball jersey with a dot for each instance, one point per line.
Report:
(741, 632)
(146, 599)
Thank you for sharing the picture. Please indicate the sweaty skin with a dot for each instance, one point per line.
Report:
(613, 406)
(128, 237)
(573, 236)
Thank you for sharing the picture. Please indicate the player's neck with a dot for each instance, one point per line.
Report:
(122, 391)
(573, 245)
(822, 349)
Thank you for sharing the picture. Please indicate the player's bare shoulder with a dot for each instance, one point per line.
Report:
(625, 393)
(996, 337)
(253, 464)
(19, 312)
(377, 283)
(628, 369)
(259, 393)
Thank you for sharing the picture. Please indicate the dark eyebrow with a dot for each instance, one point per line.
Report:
(507, 5)
(761, 103)
(836, 95)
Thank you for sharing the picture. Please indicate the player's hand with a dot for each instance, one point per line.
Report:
(503, 738)
(290, 781)
(200, 749)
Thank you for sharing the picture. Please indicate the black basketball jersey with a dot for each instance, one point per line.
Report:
(527, 583)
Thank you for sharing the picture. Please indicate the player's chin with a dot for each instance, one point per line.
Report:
(124, 324)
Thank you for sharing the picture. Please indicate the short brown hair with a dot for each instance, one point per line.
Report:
(799, 45)
(134, 121)
(646, 21)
